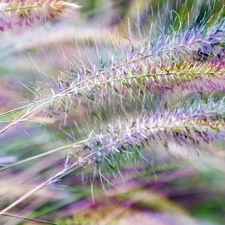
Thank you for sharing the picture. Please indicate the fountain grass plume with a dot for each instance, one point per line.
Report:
(116, 145)
(163, 64)
(192, 123)
(188, 59)
(17, 15)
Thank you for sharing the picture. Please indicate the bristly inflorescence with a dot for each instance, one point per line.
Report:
(194, 76)
(118, 144)
(190, 59)
(18, 14)
(122, 105)
(124, 139)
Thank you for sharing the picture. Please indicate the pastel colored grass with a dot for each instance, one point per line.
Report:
(185, 65)
(117, 83)
(116, 143)
(195, 122)
(18, 14)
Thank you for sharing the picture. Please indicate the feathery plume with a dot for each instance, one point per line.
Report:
(20, 14)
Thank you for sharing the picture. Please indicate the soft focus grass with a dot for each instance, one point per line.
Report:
(183, 186)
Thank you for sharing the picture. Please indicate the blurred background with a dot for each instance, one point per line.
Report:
(179, 186)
